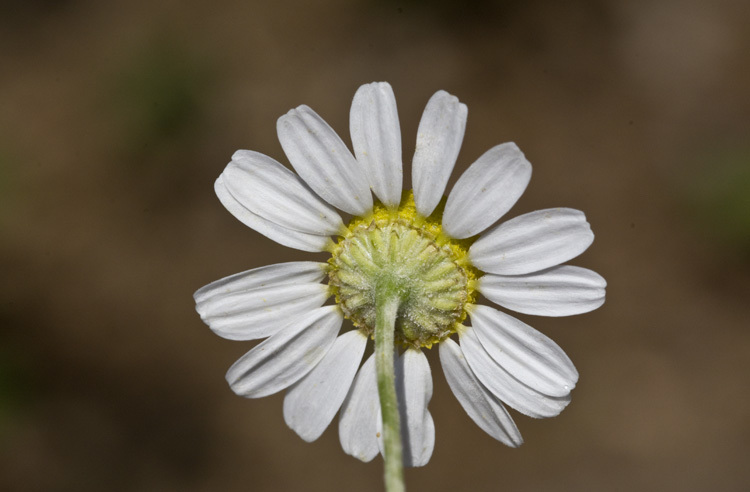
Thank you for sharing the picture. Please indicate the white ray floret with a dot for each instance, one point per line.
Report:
(484, 408)
(272, 191)
(282, 235)
(488, 189)
(278, 274)
(260, 302)
(360, 415)
(285, 357)
(532, 242)
(261, 312)
(311, 404)
(376, 139)
(529, 356)
(558, 291)
(323, 161)
(414, 390)
(439, 138)
(503, 385)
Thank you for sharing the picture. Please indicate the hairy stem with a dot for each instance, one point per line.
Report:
(386, 306)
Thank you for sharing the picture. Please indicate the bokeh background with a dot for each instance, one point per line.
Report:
(116, 117)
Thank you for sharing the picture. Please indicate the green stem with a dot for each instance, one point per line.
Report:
(386, 308)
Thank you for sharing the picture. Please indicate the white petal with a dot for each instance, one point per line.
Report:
(278, 274)
(557, 291)
(262, 311)
(414, 391)
(320, 157)
(284, 358)
(439, 138)
(525, 353)
(376, 139)
(358, 421)
(282, 235)
(428, 440)
(504, 386)
(311, 403)
(272, 191)
(488, 189)
(532, 242)
(481, 405)
(426, 448)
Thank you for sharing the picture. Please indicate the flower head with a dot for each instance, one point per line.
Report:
(435, 254)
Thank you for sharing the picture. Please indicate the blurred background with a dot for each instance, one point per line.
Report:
(116, 117)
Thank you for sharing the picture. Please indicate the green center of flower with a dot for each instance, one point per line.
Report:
(399, 252)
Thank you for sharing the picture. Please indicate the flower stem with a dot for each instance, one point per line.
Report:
(386, 308)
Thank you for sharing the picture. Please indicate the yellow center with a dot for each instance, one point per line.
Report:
(410, 254)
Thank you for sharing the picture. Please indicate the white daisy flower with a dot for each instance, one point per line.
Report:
(439, 254)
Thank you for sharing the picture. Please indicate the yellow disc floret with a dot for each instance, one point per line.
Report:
(429, 271)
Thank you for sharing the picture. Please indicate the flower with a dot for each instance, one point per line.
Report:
(438, 253)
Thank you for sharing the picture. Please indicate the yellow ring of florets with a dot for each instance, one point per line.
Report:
(440, 296)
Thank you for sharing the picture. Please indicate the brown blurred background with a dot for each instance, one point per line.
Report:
(116, 117)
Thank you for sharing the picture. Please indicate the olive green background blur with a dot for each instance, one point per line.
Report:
(116, 117)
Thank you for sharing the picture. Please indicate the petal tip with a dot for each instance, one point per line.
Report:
(240, 154)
